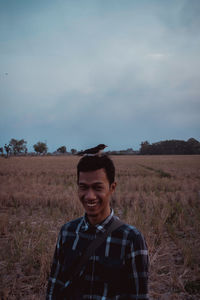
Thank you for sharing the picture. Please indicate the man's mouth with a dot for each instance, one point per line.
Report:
(91, 204)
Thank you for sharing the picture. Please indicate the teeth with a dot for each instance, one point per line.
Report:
(91, 204)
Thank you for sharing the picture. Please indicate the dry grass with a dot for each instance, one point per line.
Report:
(158, 194)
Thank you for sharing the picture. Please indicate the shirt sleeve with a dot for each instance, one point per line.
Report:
(54, 284)
(138, 266)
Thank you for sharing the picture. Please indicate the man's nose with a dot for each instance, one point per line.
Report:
(90, 195)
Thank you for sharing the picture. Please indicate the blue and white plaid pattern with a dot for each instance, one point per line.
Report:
(117, 270)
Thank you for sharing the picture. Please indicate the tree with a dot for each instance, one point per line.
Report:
(40, 148)
(18, 146)
(176, 147)
(73, 151)
(7, 148)
(194, 146)
(144, 147)
(62, 149)
(1, 150)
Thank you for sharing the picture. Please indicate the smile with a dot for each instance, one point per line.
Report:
(92, 204)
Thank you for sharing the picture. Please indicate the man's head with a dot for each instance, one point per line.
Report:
(95, 178)
(93, 163)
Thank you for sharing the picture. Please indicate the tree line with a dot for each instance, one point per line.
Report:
(191, 146)
(19, 147)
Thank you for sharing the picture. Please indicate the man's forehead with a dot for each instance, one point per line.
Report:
(96, 176)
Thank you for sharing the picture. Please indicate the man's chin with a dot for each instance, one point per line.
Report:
(92, 214)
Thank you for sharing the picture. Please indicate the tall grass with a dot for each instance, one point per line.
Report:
(158, 194)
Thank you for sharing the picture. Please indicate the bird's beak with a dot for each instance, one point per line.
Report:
(106, 146)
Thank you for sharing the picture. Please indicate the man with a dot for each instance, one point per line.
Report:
(118, 268)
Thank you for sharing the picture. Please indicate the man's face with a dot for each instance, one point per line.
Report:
(94, 192)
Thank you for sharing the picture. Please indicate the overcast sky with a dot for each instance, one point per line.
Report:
(83, 72)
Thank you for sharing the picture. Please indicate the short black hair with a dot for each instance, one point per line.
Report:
(93, 163)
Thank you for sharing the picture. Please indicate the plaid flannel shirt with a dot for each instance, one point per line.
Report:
(117, 270)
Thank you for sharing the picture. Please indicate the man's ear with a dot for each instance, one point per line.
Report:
(113, 186)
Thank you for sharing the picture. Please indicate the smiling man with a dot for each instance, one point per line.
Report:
(94, 193)
(118, 267)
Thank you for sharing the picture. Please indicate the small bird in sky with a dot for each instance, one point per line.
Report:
(3, 75)
(93, 151)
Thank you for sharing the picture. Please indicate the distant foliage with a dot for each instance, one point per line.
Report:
(73, 151)
(190, 146)
(7, 148)
(62, 149)
(40, 148)
(1, 150)
(128, 151)
(179, 147)
(18, 146)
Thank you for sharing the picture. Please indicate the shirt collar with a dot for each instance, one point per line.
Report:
(99, 227)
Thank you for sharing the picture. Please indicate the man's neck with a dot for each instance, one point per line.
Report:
(94, 220)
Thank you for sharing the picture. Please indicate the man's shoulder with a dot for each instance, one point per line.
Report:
(72, 225)
(128, 228)
(131, 232)
(131, 229)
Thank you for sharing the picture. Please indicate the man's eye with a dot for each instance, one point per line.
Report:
(82, 187)
(98, 188)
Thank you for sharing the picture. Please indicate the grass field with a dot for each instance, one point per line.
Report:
(160, 195)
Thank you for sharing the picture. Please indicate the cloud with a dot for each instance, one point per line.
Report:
(158, 56)
(99, 70)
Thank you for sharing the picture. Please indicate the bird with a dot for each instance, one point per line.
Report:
(93, 151)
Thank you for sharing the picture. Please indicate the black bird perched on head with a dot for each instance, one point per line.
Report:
(93, 151)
